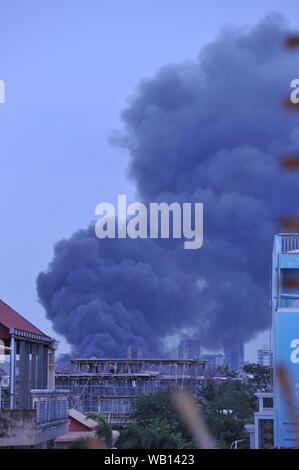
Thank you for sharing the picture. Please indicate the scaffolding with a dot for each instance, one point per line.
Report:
(109, 386)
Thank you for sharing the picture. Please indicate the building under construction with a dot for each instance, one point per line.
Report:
(109, 386)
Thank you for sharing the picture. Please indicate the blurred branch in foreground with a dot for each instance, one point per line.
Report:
(189, 412)
(290, 399)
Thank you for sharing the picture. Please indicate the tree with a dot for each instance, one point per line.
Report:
(104, 428)
(226, 407)
(155, 424)
(259, 377)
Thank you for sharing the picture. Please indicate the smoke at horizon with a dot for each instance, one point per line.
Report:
(206, 131)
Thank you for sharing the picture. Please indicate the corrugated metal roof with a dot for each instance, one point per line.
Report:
(11, 319)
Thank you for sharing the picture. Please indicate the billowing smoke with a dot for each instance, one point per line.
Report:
(208, 131)
(106, 295)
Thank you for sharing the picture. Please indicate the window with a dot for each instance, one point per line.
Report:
(289, 288)
(268, 402)
(266, 434)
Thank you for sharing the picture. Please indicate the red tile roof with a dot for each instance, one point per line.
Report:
(11, 319)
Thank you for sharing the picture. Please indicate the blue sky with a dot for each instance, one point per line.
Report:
(69, 68)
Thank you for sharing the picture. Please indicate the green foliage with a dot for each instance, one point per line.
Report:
(80, 443)
(156, 435)
(155, 424)
(260, 377)
(104, 429)
(225, 405)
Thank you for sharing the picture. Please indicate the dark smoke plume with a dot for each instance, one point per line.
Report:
(206, 131)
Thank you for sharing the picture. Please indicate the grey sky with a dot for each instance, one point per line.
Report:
(69, 67)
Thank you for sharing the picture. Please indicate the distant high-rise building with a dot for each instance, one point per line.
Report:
(265, 357)
(185, 350)
(214, 361)
(188, 349)
(234, 356)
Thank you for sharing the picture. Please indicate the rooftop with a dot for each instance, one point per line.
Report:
(289, 243)
(137, 360)
(82, 419)
(9, 318)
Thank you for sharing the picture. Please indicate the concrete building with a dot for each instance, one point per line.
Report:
(276, 423)
(32, 411)
(109, 386)
(185, 350)
(213, 361)
(265, 357)
(262, 431)
(234, 356)
(4, 379)
(285, 328)
(188, 349)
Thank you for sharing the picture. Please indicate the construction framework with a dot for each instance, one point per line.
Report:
(109, 386)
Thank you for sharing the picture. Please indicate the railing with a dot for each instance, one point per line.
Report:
(289, 242)
(134, 367)
(46, 420)
(50, 405)
(52, 410)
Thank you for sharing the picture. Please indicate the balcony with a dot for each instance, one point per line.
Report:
(38, 426)
(289, 243)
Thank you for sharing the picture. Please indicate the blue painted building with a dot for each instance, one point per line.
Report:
(285, 309)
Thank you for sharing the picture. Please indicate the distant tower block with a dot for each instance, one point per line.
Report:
(234, 356)
(265, 357)
(188, 349)
(184, 350)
